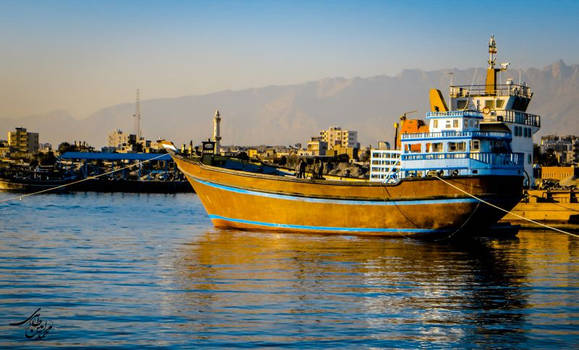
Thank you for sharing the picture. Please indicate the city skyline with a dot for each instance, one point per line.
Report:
(81, 57)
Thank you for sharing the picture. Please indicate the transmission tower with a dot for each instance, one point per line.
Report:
(137, 117)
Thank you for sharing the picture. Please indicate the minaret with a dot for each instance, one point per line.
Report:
(216, 130)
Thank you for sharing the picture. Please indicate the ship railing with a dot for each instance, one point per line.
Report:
(384, 165)
(385, 159)
(511, 116)
(481, 90)
(386, 154)
(495, 160)
(454, 133)
(500, 160)
(467, 113)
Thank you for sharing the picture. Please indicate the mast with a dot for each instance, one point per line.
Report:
(491, 81)
(137, 117)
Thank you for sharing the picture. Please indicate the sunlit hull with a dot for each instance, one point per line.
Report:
(416, 207)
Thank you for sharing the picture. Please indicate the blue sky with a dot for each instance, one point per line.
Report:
(83, 55)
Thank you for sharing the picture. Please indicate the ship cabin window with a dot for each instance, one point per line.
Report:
(447, 126)
(435, 123)
(436, 147)
(465, 125)
(499, 146)
(456, 146)
(490, 104)
(413, 148)
(461, 104)
(500, 103)
(475, 145)
(529, 159)
(455, 123)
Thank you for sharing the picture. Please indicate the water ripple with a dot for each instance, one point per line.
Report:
(149, 271)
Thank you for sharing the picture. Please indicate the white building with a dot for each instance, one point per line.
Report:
(23, 141)
(335, 136)
(118, 139)
(317, 147)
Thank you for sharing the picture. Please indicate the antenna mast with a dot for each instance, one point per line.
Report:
(137, 117)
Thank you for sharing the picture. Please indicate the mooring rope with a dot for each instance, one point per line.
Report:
(504, 210)
(163, 154)
(449, 236)
(79, 181)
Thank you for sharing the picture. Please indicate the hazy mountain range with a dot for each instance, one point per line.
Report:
(293, 113)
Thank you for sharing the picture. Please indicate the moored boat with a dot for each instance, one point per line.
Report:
(413, 206)
(28, 185)
(438, 182)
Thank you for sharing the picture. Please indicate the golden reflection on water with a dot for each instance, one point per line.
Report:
(158, 277)
(445, 292)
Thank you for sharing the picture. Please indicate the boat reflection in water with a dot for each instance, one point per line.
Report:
(302, 290)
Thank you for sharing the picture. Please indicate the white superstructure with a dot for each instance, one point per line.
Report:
(457, 144)
(485, 131)
(502, 103)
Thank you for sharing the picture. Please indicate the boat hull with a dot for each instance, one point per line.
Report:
(28, 186)
(95, 185)
(417, 207)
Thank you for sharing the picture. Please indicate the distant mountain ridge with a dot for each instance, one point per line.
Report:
(293, 113)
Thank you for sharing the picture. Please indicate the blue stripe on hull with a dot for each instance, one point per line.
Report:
(326, 228)
(337, 201)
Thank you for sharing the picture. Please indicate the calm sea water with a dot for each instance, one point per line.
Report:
(134, 271)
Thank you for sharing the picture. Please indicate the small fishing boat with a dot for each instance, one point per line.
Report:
(447, 175)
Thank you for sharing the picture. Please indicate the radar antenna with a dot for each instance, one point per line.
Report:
(492, 52)
(491, 81)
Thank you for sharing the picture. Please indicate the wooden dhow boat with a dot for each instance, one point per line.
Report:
(447, 175)
(415, 206)
(432, 186)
